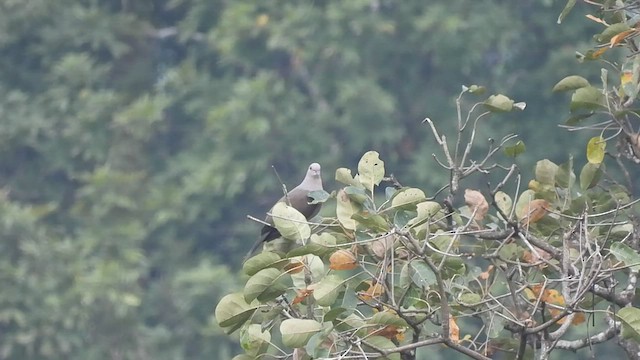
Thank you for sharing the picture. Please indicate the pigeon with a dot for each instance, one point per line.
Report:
(299, 199)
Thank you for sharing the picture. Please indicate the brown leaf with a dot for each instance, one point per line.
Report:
(635, 143)
(485, 274)
(534, 211)
(596, 19)
(477, 203)
(596, 54)
(389, 331)
(343, 260)
(294, 267)
(302, 294)
(454, 330)
(374, 291)
(537, 257)
(618, 38)
(381, 246)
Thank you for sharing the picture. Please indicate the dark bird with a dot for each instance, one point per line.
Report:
(299, 199)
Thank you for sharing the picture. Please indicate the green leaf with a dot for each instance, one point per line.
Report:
(325, 239)
(243, 357)
(343, 175)
(575, 119)
(254, 340)
(291, 224)
(504, 202)
(572, 82)
(402, 218)
(351, 322)
(373, 222)
(589, 55)
(389, 192)
(310, 248)
(387, 318)
(631, 87)
(233, 311)
(425, 210)
(469, 298)
(626, 254)
(333, 314)
(370, 170)
(349, 300)
(356, 194)
(510, 251)
(630, 317)
(588, 98)
(590, 175)
(611, 31)
(595, 150)
(546, 172)
(314, 267)
(345, 209)
(421, 274)
(493, 325)
(296, 332)
(263, 260)
(442, 240)
(523, 202)
(515, 149)
(565, 177)
(407, 198)
(474, 89)
(315, 348)
(265, 285)
(567, 8)
(326, 291)
(381, 342)
(499, 103)
(318, 196)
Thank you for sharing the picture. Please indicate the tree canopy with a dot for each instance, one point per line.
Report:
(137, 136)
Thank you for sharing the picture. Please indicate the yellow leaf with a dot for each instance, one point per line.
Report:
(530, 294)
(370, 170)
(595, 150)
(262, 20)
(553, 296)
(626, 77)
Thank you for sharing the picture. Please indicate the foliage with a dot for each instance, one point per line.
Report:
(490, 273)
(137, 135)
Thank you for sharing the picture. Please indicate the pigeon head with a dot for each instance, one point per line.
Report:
(314, 170)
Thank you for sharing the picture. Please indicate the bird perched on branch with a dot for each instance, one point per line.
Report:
(299, 199)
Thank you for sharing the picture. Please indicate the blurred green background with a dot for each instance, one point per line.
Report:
(136, 135)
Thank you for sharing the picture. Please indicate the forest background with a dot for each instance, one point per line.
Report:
(135, 137)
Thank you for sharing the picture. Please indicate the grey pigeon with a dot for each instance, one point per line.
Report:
(299, 199)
